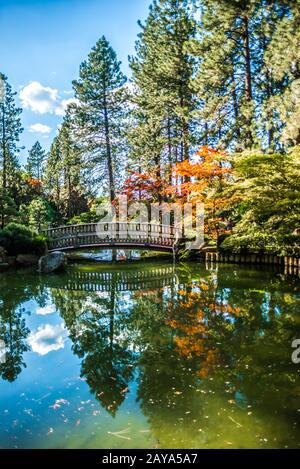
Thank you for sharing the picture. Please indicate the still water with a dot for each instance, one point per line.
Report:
(145, 355)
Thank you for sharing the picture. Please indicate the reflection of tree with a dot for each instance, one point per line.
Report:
(215, 342)
(166, 381)
(205, 331)
(96, 332)
(257, 344)
(13, 330)
(191, 309)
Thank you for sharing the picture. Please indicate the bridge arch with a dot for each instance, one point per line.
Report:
(131, 235)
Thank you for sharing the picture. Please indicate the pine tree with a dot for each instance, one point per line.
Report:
(66, 176)
(101, 112)
(35, 161)
(164, 128)
(283, 61)
(228, 66)
(52, 173)
(235, 83)
(75, 183)
(8, 209)
(10, 130)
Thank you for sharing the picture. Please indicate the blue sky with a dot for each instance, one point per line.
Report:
(42, 43)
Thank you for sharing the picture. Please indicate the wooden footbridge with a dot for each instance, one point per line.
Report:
(130, 235)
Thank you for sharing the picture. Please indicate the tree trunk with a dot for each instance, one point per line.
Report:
(248, 76)
(269, 92)
(170, 150)
(235, 107)
(108, 154)
(4, 162)
(112, 304)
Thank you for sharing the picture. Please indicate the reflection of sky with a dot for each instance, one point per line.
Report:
(47, 338)
(47, 332)
(28, 409)
(43, 311)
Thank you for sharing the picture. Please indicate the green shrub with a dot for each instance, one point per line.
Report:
(92, 216)
(18, 239)
(85, 217)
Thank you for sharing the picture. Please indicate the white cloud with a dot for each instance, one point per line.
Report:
(64, 103)
(39, 128)
(47, 338)
(43, 99)
(46, 310)
(39, 98)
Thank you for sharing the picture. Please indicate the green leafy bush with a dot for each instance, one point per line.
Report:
(266, 211)
(84, 217)
(93, 215)
(18, 239)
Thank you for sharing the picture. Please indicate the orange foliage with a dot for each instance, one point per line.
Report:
(203, 181)
(207, 173)
(147, 187)
(34, 183)
(199, 181)
(189, 319)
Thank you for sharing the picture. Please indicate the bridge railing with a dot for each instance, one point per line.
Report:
(88, 234)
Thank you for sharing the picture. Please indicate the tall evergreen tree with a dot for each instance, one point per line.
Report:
(164, 128)
(66, 178)
(234, 81)
(225, 78)
(35, 161)
(52, 173)
(101, 112)
(10, 130)
(283, 61)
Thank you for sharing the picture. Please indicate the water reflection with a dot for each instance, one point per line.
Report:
(207, 354)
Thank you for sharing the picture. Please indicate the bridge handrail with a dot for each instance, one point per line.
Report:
(81, 225)
(117, 232)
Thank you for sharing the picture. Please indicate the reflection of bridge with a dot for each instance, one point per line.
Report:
(122, 280)
(113, 234)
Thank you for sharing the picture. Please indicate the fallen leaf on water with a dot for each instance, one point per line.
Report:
(57, 404)
(120, 434)
(234, 421)
(54, 406)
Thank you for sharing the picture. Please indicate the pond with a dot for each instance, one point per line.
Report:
(145, 354)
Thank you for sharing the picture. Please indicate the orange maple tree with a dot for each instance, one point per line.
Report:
(34, 184)
(200, 180)
(147, 187)
(203, 181)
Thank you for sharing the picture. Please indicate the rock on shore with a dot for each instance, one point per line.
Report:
(52, 262)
